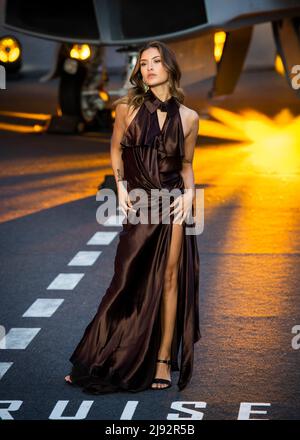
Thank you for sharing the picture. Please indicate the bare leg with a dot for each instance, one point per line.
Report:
(169, 305)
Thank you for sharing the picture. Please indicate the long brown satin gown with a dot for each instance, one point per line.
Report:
(118, 350)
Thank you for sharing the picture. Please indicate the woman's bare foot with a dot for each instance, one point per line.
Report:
(68, 379)
(163, 372)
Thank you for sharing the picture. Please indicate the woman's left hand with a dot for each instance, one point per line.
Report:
(183, 206)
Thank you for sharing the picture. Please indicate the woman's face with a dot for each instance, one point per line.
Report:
(151, 66)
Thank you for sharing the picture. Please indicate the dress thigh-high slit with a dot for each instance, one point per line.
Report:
(172, 271)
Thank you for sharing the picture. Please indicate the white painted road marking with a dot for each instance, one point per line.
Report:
(65, 281)
(84, 258)
(129, 410)
(4, 366)
(81, 414)
(43, 307)
(103, 237)
(18, 338)
(114, 220)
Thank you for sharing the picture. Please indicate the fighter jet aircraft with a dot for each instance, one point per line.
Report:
(210, 37)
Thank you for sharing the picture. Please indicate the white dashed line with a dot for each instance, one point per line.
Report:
(84, 258)
(18, 338)
(65, 281)
(103, 237)
(114, 220)
(43, 308)
(4, 366)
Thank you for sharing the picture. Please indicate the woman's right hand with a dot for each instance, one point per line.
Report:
(123, 196)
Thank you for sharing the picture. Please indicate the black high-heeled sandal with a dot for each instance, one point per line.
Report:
(161, 380)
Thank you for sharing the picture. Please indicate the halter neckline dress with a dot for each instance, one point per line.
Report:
(119, 348)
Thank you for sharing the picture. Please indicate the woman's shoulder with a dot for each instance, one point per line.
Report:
(189, 113)
(121, 104)
(126, 113)
(124, 108)
(190, 119)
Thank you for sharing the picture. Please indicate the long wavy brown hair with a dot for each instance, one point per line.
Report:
(136, 94)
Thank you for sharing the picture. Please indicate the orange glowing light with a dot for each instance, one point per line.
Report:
(271, 144)
(80, 52)
(9, 50)
(279, 67)
(219, 40)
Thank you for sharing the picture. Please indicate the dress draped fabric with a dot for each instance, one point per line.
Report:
(119, 348)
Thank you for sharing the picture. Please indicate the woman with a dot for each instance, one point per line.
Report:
(151, 305)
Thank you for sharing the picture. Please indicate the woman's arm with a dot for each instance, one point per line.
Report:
(187, 172)
(116, 157)
(115, 146)
(186, 203)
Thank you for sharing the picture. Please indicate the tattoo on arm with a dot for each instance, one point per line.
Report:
(119, 175)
